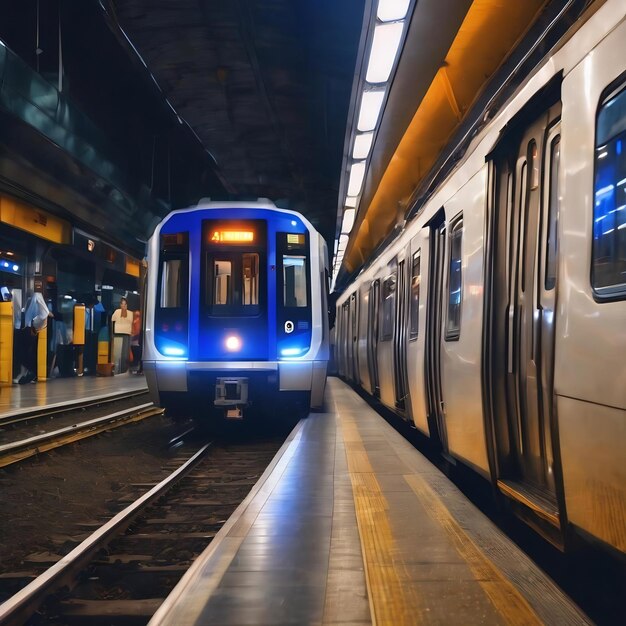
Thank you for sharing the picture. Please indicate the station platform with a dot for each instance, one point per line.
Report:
(350, 524)
(20, 400)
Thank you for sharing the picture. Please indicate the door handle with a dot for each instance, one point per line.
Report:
(537, 320)
(510, 329)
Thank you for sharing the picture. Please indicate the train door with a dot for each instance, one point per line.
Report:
(349, 342)
(525, 172)
(372, 336)
(363, 336)
(400, 338)
(434, 320)
(416, 373)
(385, 353)
(342, 351)
(354, 337)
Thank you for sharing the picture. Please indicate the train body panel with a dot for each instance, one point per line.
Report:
(512, 277)
(236, 308)
(416, 350)
(590, 380)
(461, 354)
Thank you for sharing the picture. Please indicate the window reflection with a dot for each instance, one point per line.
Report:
(453, 323)
(415, 294)
(294, 281)
(171, 284)
(222, 288)
(608, 274)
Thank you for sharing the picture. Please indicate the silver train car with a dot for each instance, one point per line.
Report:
(236, 317)
(495, 321)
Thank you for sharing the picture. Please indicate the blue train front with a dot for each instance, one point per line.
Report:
(236, 313)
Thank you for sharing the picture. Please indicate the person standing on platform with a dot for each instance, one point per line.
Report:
(135, 343)
(122, 328)
(35, 320)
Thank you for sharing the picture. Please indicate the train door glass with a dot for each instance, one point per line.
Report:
(526, 292)
(399, 339)
(172, 277)
(250, 279)
(434, 322)
(222, 273)
(294, 280)
(455, 280)
(354, 337)
(415, 295)
(348, 327)
(171, 314)
(345, 334)
(372, 336)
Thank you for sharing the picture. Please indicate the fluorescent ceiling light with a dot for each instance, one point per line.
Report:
(357, 174)
(343, 239)
(351, 201)
(362, 146)
(348, 220)
(389, 10)
(336, 244)
(371, 103)
(383, 52)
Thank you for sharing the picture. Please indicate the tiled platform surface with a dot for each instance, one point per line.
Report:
(351, 525)
(20, 399)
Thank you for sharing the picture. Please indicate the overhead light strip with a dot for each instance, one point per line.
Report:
(386, 39)
(391, 10)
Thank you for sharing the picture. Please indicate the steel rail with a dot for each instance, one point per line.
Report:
(19, 607)
(28, 413)
(18, 450)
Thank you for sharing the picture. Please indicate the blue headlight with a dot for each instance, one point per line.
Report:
(173, 351)
(292, 351)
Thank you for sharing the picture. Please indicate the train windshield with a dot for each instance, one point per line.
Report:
(294, 280)
(233, 254)
(227, 286)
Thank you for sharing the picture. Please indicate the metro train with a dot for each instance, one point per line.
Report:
(236, 312)
(494, 320)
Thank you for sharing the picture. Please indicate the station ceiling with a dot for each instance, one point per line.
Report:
(265, 85)
(271, 88)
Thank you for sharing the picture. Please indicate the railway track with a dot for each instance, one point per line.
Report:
(21, 449)
(62, 408)
(122, 572)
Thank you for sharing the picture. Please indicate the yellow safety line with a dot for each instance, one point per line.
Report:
(392, 601)
(504, 596)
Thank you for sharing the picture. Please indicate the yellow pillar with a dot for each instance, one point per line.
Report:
(103, 351)
(42, 355)
(79, 336)
(6, 343)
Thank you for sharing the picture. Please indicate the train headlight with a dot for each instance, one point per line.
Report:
(173, 351)
(233, 343)
(292, 351)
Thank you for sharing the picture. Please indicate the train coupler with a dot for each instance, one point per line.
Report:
(231, 394)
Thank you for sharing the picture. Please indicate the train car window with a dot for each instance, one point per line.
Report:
(527, 168)
(388, 296)
(608, 268)
(172, 283)
(553, 214)
(250, 279)
(222, 289)
(416, 278)
(455, 280)
(294, 280)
